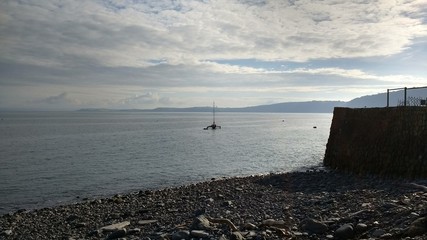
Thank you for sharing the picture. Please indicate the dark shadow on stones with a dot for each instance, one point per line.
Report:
(312, 182)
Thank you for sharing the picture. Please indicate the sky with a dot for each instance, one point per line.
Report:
(122, 54)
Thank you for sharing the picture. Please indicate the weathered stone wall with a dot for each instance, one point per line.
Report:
(385, 141)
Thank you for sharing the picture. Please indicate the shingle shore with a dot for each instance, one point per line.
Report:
(298, 205)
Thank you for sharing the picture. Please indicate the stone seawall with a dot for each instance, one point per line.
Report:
(385, 141)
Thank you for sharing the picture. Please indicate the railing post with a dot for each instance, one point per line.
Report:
(404, 101)
(388, 94)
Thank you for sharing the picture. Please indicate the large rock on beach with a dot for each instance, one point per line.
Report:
(418, 227)
(236, 236)
(313, 226)
(115, 227)
(7, 232)
(183, 234)
(274, 223)
(117, 234)
(201, 223)
(346, 231)
(360, 227)
(199, 234)
(377, 233)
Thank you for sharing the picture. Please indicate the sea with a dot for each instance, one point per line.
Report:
(55, 158)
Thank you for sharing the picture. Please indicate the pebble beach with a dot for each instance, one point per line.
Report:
(315, 204)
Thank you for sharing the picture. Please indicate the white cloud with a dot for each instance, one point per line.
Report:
(60, 101)
(61, 98)
(144, 100)
(391, 80)
(131, 33)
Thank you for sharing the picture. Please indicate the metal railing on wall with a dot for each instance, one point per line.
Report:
(411, 101)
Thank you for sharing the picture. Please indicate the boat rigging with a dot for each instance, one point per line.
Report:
(213, 126)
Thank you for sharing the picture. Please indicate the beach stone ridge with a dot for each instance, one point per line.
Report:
(317, 204)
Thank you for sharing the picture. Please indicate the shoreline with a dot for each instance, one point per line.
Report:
(70, 200)
(316, 204)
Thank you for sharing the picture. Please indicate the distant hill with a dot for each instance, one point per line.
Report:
(294, 107)
(290, 107)
(380, 99)
(376, 100)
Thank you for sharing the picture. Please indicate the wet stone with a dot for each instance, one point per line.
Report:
(72, 218)
(313, 226)
(199, 233)
(181, 235)
(145, 222)
(378, 233)
(134, 231)
(345, 232)
(418, 227)
(115, 227)
(236, 236)
(361, 227)
(80, 225)
(201, 223)
(117, 234)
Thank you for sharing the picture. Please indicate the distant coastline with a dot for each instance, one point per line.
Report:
(376, 100)
(291, 107)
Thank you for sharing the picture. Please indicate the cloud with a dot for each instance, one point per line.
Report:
(148, 53)
(62, 100)
(361, 75)
(141, 100)
(133, 33)
(144, 98)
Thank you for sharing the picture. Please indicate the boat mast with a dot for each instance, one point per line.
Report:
(213, 126)
(214, 112)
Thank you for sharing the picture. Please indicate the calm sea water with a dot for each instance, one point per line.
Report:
(50, 158)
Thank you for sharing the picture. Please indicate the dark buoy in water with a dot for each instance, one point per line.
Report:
(314, 127)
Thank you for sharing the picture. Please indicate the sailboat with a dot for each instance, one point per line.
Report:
(213, 126)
